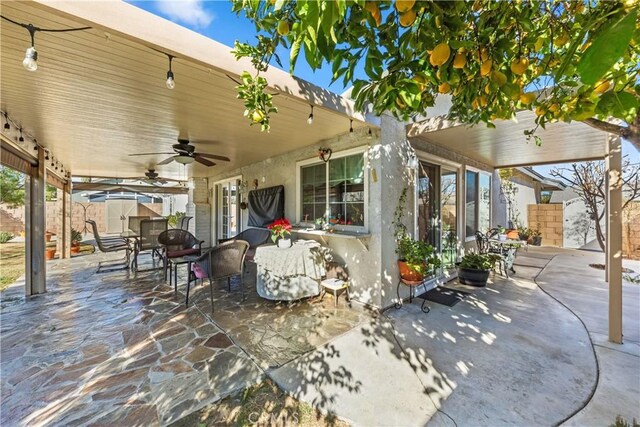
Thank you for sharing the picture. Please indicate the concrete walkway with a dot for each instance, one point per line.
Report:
(586, 294)
(508, 354)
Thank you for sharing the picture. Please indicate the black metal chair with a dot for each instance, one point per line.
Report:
(254, 236)
(507, 255)
(221, 262)
(178, 243)
(110, 244)
(134, 222)
(184, 223)
(150, 229)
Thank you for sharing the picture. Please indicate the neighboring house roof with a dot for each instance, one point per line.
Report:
(547, 183)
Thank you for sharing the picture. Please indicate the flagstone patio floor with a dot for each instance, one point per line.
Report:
(122, 348)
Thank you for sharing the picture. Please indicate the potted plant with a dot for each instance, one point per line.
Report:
(76, 238)
(280, 230)
(416, 259)
(319, 223)
(502, 233)
(50, 252)
(535, 237)
(47, 236)
(524, 233)
(474, 269)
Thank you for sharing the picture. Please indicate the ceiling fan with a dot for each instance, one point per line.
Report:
(152, 177)
(185, 153)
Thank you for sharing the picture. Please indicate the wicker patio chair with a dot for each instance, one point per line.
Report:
(178, 243)
(134, 222)
(254, 236)
(221, 262)
(111, 244)
(150, 229)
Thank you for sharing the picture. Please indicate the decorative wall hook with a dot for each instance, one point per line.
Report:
(324, 154)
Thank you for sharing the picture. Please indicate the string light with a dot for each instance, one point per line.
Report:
(310, 119)
(30, 61)
(171, 83)
(351, 128)
(369, 134)
(21, 139)
(7, 126)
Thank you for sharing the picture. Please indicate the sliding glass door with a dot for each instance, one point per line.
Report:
(228, 209)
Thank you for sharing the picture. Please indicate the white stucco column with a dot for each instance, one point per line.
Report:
(199, 208)
(614, 236)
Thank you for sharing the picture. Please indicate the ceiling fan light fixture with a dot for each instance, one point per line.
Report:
(185, 160)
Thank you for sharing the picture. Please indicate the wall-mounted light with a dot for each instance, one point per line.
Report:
(310, 118)
(171, 83)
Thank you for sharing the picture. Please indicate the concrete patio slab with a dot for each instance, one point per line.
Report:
(493, 359)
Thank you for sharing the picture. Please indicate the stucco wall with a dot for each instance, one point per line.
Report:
(373, 272)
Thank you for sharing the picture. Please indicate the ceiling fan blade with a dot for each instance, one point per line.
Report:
(148, 154)
(215, 156)
(203, 161)
(166, 161)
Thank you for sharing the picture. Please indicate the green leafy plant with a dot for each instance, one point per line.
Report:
(479, 261)
(418, 255)
(76, 236)
(524, 233)
(173, 219)
(621, 422)
(5, 236)
(493, 58)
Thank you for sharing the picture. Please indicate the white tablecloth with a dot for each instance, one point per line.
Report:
(292, 273)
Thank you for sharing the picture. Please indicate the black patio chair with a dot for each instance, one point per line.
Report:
(184, 223)
(507, 255)
(134, 222)
(221, 262)
(254, 236)
(110, 244)
(178, 243)
(150, 229)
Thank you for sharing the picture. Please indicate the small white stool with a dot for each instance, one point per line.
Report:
(333, 286)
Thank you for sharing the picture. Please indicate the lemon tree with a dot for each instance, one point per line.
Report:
(565, 60)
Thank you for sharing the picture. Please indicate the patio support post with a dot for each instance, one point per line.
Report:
(65, 199)
(36, 282)
(614, 236)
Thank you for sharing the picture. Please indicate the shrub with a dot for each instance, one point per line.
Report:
(5, 236)
(479, 261)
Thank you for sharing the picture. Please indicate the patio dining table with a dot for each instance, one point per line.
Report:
(508, 250)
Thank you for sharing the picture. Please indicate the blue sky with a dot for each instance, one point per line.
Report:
(215, 20)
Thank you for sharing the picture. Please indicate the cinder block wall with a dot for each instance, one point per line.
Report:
(549, 220)
(631, 231)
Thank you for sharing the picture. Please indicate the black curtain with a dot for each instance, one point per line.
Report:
(265, 206)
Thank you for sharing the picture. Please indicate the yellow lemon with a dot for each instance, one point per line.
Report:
(484, 54)
(602, 86)
(440, 54)
(283, 28)
(527, 98)
(400, 103)
(540, 111)
(562, 39)
(485, 68)
(554, 107)
(519, 66)
(420, 80)
(257, 116)
(482, 101)
(408, 18)
(459, 60)
(404, 5)
(487, 89)
(474, 104)
(498, 77)
(444, 87)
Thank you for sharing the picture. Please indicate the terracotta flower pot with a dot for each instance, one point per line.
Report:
(75, 248)
(513, 234)
(50, 253)
(408, 274)
(47, 236)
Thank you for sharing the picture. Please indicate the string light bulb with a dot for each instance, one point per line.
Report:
(351, 128)
(21, 139)
(171, 83)
(369, 134)
(30, 61)
(310, 119)
(7, 126)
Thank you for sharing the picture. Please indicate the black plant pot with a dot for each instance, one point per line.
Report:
(536, 241)
(473, 277)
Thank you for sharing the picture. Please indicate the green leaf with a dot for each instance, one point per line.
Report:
(293, 54)
(621, 105)
(606, 49)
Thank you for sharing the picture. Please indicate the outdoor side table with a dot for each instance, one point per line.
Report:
(173, 269)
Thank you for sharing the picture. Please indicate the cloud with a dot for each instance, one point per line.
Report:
(190, 12)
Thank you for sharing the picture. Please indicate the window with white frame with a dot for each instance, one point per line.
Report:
(477, 202)
(336, 190)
